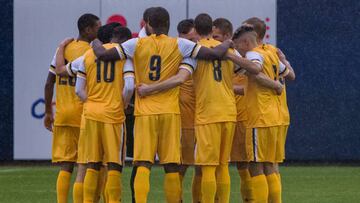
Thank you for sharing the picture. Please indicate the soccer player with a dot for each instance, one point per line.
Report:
(144, 32)
(157, 120)
(186, 29)
(263, 111)
(66, 124)
(222, 30)
(215, 112)
(104, 34)
(106, 89)
(274, 182)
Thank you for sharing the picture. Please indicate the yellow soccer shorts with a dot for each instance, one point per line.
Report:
(105, 142)
(187, 146)
(241, 146)
(267, 144)
(65, 144)
(213, 143)
(281, 143)
(81, 158)
(157, 134)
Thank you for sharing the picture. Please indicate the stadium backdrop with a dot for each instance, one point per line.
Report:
(317, 36)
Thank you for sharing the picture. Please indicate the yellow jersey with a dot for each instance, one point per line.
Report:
(241, 79)
(215, 99)
(157, 58)
(284, 110)
(263, 103)
(68, 106)
(104, 86)
(187, 104)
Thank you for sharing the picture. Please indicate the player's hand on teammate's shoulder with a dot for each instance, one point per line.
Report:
(230, 42)
(48, 121)
(66, 41)
(279, 88)
(96, 42)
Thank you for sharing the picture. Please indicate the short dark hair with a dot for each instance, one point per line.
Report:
(87, 20)
(185, 26)
(259, 26)
(159, 19)
(224, 25)
(203, 24)
(122, 33)
(147, 13)
(105, 32)
(242, 30)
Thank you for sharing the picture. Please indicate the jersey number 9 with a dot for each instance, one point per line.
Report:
(107, 76)
(155, 68)
(217, 70)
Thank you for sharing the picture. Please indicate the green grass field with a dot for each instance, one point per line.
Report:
(300, 184)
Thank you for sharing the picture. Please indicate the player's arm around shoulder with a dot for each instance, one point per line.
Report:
(248, 65)
(60, 66)
(187, 67)
(193, 50)
(261, 78)
(289, 73)
(120, 52)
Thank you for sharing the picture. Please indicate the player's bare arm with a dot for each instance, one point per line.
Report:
(128, 91)
(238, 89)
(267, 82)
(217, 52)
(176, 80)
(244, 63)
(291, 74)
(60, 67)
(80, 88)
(49, 92)
(104, 54)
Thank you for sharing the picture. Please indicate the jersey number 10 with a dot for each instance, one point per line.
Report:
(107, 77)
(155, 68)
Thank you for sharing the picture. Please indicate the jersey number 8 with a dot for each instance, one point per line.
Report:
(108, 77)
(155, 68)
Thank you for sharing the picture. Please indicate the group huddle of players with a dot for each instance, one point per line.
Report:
(205, 98)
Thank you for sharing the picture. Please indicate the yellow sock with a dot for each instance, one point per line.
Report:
(90, 184)
(78, 192)
(260, 189)
(62, 186)
(113, 186)
(245, 185)
(142, 184)
(101, 184)
(196, 189)
(208, 184)
(172, 187)
(274, 188)
(223, 183)
(279, 176)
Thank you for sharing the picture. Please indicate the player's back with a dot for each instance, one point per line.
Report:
(215, 100)
(157, 58)
(68, 106)
(241, 79)
(263, 103)
(104, 89)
